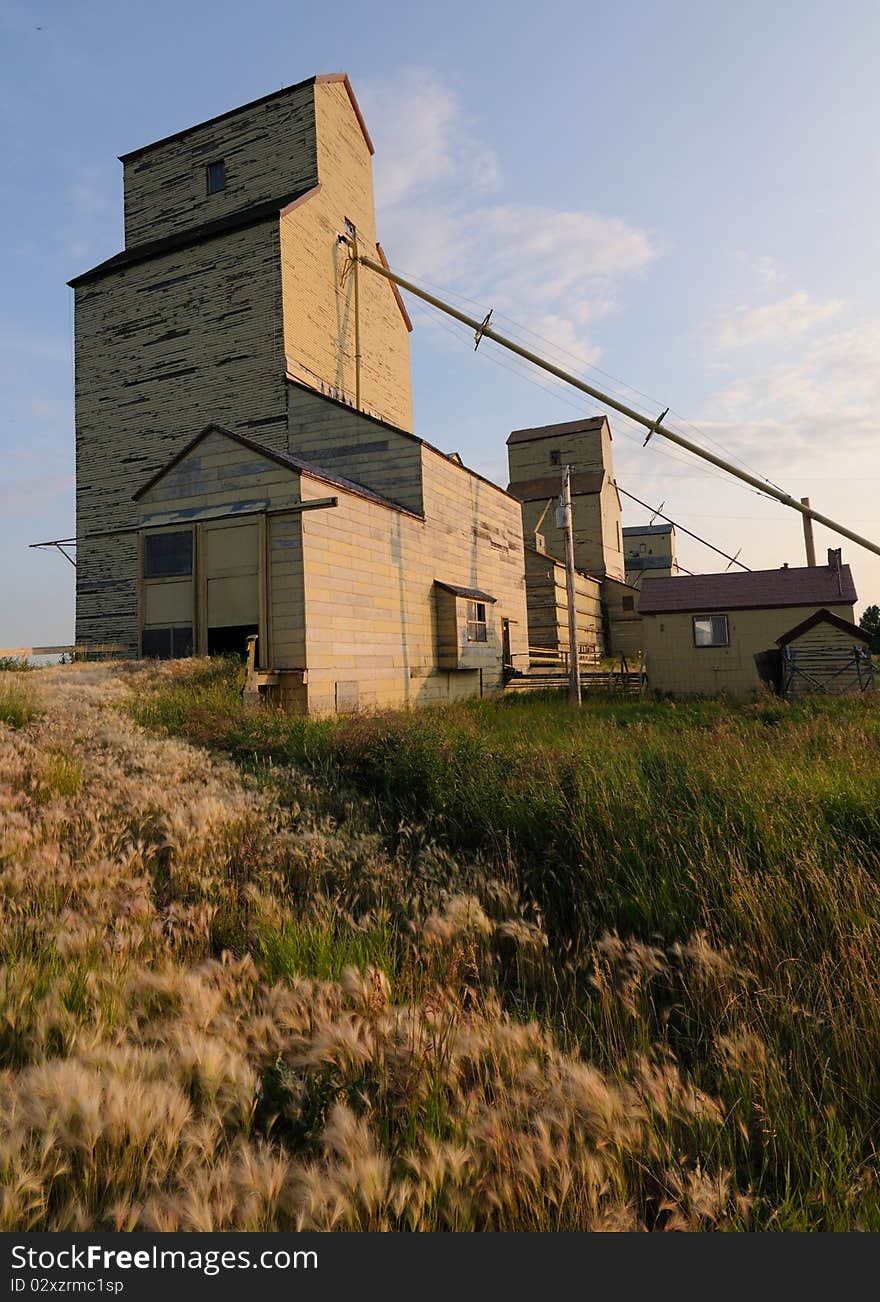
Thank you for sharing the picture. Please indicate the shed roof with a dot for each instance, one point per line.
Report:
(243, 217)
(472, 594)
(823, 617)
(633, 530)
(813, 585)
(282, 459)
(556, 431)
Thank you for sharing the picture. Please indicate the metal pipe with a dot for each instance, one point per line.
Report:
(357, 329)
(653, 425)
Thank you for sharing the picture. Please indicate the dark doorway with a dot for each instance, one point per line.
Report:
(506, 658)
(231, 640)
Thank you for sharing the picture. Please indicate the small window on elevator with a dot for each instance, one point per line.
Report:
(216, 174)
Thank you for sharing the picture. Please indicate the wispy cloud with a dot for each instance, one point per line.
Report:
(761, 268)
(775, 323)
(443, 218)
(824, 400)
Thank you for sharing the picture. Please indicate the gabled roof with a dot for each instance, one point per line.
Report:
(812, 585)
(823, 617)
(556, 431)
(280, 458)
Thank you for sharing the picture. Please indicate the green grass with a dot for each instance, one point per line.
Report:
(755, 828)
(18, 704)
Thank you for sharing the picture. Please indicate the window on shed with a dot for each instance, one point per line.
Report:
(216, 173)
(168, 555)
(476, 622)
(711, 630)
(629, 603)
(555, 457)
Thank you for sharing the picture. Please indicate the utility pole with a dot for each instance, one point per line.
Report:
(809, 541)
(566, 524)
(483, 329)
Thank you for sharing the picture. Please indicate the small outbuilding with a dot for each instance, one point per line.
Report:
(825, 654)
(703, 632)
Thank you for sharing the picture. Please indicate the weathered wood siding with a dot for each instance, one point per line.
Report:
(318, 280)
(335, 437)
(824, 661)
(598, 542)
(547, 597)
(163, 348)
(269, 151)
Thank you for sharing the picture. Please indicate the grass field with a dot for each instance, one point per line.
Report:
(484, 967)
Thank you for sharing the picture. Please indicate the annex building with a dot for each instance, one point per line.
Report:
(705, 634)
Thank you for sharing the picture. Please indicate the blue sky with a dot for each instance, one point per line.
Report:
(681, 196)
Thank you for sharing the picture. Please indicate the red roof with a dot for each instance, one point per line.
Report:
(813, 585)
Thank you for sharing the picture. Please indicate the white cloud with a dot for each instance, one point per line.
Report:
(442, 219)
(823, 401)
(763, 269)
(422, 140)
(771, 322)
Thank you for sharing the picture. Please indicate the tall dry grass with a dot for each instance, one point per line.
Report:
(285, 993)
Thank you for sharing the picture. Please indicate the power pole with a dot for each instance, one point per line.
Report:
(809, 541)
(565, 522)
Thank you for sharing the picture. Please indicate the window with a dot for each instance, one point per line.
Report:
(476, 622)
(216, 173)
(555, 457)
(711, 630)
(168, 555)
(629, 603)
(166, 643)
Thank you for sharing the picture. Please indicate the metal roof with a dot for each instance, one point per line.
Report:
(472, 594)
(814, 585)
(633, 530)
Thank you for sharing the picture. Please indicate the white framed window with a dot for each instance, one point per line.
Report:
(476, 622)
(711, 630)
